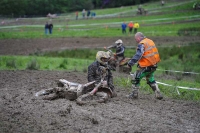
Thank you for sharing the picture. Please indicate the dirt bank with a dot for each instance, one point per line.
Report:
(28, 46)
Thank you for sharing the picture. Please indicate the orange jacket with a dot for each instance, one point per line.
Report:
(151, 55)
(130, 25)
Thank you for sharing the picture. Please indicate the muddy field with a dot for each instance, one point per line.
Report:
(22, 112)
(28, 46)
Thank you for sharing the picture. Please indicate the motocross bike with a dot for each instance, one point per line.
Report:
(101, 92)
(121, 66)
(65, 89)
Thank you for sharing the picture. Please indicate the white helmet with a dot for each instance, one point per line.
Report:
(100, 55)
(119, 42)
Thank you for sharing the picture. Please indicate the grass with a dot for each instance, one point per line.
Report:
(42, 63)
(171, 29)
(168, 19)
(172, 58)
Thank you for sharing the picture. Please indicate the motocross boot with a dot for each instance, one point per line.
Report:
(134, 93)
(155, 88)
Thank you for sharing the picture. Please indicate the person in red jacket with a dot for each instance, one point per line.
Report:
(147, 57)
(130, 26)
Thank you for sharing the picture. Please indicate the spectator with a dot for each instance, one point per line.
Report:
(76, 15)
(93, 14)
(140, 9)
(124, 28)
(136, 26)
(50, 28)
(83, 13)
(46, 28)
(88, 14)
(162, 2)
(130, 26)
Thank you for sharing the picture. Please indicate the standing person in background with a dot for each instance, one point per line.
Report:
(130, 26)
(46, 28)
(147, 57)
(123, 28)
(136, 26)
(88, 14)
(140, 9)
(162, 2)
(83, 13)
(93, 14)
(76, 15)
(50, 28)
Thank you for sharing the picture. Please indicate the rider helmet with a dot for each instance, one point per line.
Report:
(102, 57)
(119, 43)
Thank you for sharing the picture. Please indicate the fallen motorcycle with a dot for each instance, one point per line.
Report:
(80, 92)
(66, 89)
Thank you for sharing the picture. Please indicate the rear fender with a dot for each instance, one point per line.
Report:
(124, 61)
(106, 90)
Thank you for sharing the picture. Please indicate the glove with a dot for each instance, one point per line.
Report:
(102, 69)
(129, 66)
(104, 84)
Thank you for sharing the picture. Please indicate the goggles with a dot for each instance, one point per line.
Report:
(105, 59)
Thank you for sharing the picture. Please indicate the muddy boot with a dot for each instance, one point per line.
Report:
(155, 88)
(114, 94)
(134, 93)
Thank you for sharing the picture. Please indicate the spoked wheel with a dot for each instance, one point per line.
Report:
(84, 99)
(99, 97)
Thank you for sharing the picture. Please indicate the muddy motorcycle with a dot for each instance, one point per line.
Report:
(65, 89)
(101, 93)
(121, 66)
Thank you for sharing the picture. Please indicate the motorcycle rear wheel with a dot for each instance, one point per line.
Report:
(124, 69)
(99, 97)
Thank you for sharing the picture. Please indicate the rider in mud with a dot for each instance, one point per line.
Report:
(65, 89)
(96, 68)
(120, 49)
(147, 57)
